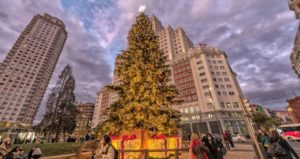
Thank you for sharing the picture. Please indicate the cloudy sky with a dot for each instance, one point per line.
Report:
(256, 35)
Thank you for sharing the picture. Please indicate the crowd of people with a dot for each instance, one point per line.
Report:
(275, 146)
(206, 146)
(6, 152)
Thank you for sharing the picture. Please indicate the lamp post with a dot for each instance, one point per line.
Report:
(248, 121)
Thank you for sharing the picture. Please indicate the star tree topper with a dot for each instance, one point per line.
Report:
(142, 8)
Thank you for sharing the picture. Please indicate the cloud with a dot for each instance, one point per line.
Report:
(256, 37)
(82, 50)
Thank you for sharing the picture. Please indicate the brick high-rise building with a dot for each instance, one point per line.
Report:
(27, 68)
(293, 109)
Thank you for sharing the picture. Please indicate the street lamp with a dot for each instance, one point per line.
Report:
(248, 121)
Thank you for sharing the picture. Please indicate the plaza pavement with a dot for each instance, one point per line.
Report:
(242, 151)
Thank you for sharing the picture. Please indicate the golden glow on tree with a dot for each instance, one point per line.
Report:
(145, 98)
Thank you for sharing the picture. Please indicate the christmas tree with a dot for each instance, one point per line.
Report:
(145, 97)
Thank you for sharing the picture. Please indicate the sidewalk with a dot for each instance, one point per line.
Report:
(242, 151)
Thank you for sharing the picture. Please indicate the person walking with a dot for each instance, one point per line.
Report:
(5, 147)
(197, 149)
(108, 151)
(230, 139)
(265, 140)
(280, 148)
(226, 140)
(210, 142)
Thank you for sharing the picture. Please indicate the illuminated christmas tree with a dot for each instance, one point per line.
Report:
(145, 97)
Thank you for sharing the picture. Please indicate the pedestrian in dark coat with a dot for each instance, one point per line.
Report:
(280, 148)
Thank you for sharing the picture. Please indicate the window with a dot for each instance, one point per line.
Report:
(191, 109)
(200, 68)
(222, 105)
(202, 74)
(235, 104)
(215, 79)
(205, 87)
(206, 94)
(224, 93)
(228, 86)
(231, 93)
(224, 73)
(222, 67)
(212, 73)
(219, 93)
(222, 86)
(226, 79)
(204, 80)
(228, 105)
(199, 62)
(209, 105)
(217, 86)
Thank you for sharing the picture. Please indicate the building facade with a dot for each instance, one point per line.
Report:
(293, 109)
(102, 102)
(205, 82)
(283, 117)
(27, 68)
(294, 5)
(210, 91)
(84, 119)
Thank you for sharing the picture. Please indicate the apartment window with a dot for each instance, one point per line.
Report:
(200, 68)
(222, 67)
(231, 93)
(228, 86)
(222, 105)
(215, 79)
(206, 94)
(209, 105)
(212, 73)
(220, 79)
(235, 104)
(217, 86)
(199, 62)
(226, 79)
(219, 93)
(222, 86)
(202, 74)
(228, 105)
(218, 73)
(220, 61)
(209, 61)
(225, 94)
(205, 87)
(204, 80)
(224, 73)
